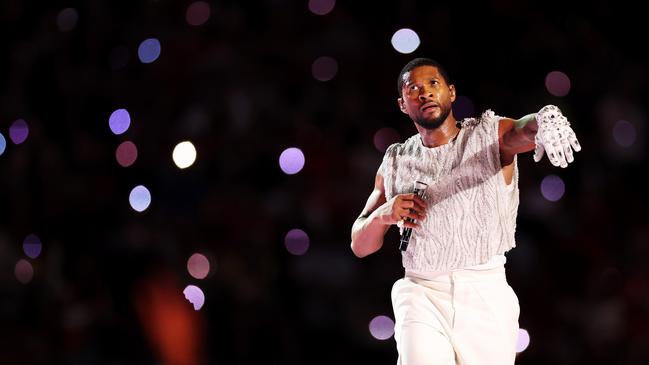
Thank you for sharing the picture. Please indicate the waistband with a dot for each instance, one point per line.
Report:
(460, 275)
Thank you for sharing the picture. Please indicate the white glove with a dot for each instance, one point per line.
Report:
(555, 137)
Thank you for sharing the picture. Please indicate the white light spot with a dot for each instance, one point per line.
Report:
(405, 40)
(140, 198)
(557, 83)
(552, 188)
(195, 296)
(184, 154)
(523, 340)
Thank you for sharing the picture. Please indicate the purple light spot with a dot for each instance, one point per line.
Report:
(126, 153)
(24, 271)
(384, 137)
(463, 107)
(624, 133)
(18, 131)
(149, 50)
(405, 40)
(297, 242)
(198, 266)
(195, 296)
(382, 327)
(67, 19)
(291, 161)
(552, 188)
(32, 246)
(197, 13)
(3, 144)
(119, 121)
(324, 68)
(523, 340)
(557, 83)
(140, 198)
(321, 7)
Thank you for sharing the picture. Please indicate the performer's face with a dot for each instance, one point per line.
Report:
(426, 97)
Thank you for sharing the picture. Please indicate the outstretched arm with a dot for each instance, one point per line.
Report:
(547, 131)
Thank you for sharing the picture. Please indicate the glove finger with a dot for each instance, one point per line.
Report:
(538, 151)
(567, 151)
(574, 142)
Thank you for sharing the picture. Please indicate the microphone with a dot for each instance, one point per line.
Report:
(419, 190)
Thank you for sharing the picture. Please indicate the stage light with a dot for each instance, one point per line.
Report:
(624, 133)
(557, 83)
(382, 327)
(296, 242)
(523, 340)
(149, 50)
(195, 296)
(119, 121)
(324, 68)
(67, 19)
(197, 13)
(24, 271)
(321, 7)
(198, 266)
(140, 198)
(32, 246)
(384, 137)
(291, 161)
(18, 131)
(126, 153)
(552, 188)
(184, 154)
(405, 40)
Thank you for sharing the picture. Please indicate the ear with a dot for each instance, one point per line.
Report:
(451, 89)
(402, 105)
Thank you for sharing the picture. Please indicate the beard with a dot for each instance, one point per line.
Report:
(434, 123)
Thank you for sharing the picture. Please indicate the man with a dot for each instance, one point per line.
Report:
(454, 305)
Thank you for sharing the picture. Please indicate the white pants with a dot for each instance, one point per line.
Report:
(463, 317)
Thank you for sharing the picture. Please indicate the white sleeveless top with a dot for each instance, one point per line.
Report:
(471, 215)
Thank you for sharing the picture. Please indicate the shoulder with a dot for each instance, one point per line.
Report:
(488, 118)
(397, 149)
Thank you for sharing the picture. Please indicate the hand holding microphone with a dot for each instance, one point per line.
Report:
(419, 193)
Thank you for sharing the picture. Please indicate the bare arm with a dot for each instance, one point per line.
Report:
(516, 136)
(378, 215)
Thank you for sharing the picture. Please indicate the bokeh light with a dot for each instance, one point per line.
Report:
(291, 161)
(557, 83)
(67, 19)
(119, 121)
(384, 137)
(18, 131)
(149, 50)
(24, 271)
(624, 133)
(382, 327)
(321, 7)
(126, 153)
(32, 246)
(463, 107)
(195, 296)
(523, 340)
(197, 13)
(405, 40)
(3, 144)
(324, 68)
(198, 266)
(184, 154)
(552, 188)
(297, 242)
(140, 198)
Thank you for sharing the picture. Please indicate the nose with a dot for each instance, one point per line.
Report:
(425, 95)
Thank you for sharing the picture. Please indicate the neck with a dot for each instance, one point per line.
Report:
(440, 135)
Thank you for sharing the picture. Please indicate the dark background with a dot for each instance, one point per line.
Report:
(107, 287)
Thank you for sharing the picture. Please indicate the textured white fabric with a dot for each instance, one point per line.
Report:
(464, 317)
(471, 212)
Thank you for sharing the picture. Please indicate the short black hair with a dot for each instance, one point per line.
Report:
(421, 62)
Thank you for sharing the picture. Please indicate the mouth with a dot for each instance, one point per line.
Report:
(428, 106)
